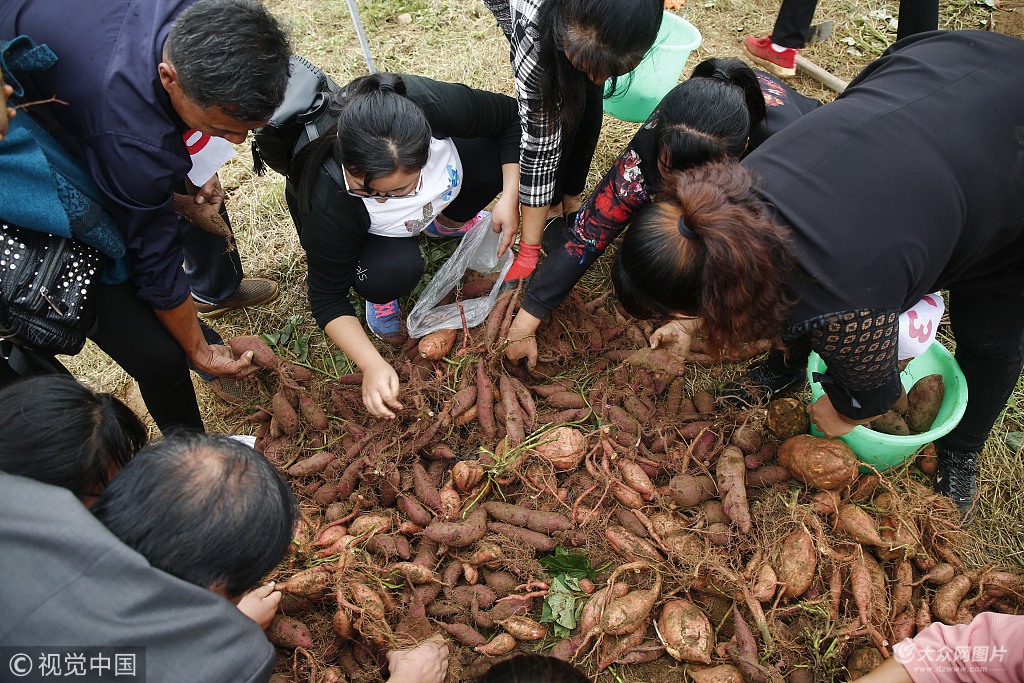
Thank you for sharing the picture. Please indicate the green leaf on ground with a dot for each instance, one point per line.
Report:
(570, 564)
(562, 606)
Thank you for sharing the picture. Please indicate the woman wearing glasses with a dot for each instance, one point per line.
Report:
(397, 155)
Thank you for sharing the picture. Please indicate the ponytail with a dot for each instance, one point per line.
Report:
(736, 72)
(377, 131)
(708, 248)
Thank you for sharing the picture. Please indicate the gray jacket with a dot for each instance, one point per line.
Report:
(69, 581)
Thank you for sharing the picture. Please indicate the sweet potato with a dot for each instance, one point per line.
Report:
(524, 628)
(629, 546)
(704, 402)
(723, 673)
(787, 417)
(856, 523)
(635, 478)
(459, 534)
(284, 414)
(821, 463)
(313, 414)
(687, 490)
(563, 448)
(289, 632)
(412, 509)
(537, 520)
(502, 644)
(948, 597)
(463, 634)
(624, 615)
(262, 354)
(540, 542)
(686, 632)
(484, 401)
(414, 573)
(370, 523)
(314, 464)
(468, 595)
(863, 661)
(767, 475)
(311, 584)
(425, 489)
(891, 423)
(796, 562)
(731, 474)
(747, 438)
(923, 402)
(437, 344)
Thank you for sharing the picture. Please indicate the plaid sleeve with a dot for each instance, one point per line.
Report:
(541, 144)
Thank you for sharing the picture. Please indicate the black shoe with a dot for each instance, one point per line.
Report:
(762, 381)
(955, 475)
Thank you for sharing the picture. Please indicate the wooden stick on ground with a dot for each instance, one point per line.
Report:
(819, 74)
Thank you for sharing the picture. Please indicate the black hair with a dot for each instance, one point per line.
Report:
(709, 248)
(60, 432)
(203, 507)
(231, 54)
(736, 72)
(378, 131)
(533, 669)
(611, 35)
(708, 117)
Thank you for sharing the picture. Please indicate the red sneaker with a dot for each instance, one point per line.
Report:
(761, 52)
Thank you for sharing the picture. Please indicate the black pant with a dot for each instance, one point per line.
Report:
(579, 145)
(795, 16)
(391, 267)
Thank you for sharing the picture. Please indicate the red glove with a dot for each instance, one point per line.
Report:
(525, 263)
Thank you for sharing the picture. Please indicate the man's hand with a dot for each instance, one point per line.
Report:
(426, 663)
(217, 359)
(211, 192)
(828, 421)
(260, 604)
(380, 389)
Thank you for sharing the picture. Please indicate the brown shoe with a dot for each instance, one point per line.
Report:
(251, 292)
(234, 391)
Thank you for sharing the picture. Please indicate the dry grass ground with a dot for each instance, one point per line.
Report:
(458, 40)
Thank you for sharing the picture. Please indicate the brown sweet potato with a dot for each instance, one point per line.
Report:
(624, 615)
(686, 632)
(459, 534)
(314, 464)
(891, 423)
(537, 520)
(262, 354)
(502, 644)
(540, 542)
(687, 490)
(463, 634)
(796, 562)
(524, 628)
(436, 345)
(284, 414)
(948, 597)
(313, 414)
(863, 661)
(311, 584)
(827, 464)
(631, 547)
(787, 417)
(855, 522)
(723, 673)
(289, 632)
(731, 474)
(562, 447)
(923, 402)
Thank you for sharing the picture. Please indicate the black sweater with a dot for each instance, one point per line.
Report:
(332, 234)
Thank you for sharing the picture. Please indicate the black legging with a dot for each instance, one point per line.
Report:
(795, 16)
(579, 145)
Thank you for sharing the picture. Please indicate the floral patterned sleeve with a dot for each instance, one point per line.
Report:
(606, 213)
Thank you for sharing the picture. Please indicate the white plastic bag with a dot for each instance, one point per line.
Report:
(478, 251)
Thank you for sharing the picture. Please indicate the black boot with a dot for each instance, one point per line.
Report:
(765, 379)
(955, 475)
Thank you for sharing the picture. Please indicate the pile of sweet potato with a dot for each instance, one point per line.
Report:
(726, 539)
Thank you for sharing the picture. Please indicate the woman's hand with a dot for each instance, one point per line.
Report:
(260, 604)
(505, 219)
(828, 421)
(5, 111)
(425, 663)
(522, 339)
(380, 389)
(676, 336)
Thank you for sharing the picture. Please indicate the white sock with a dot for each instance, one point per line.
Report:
(779, 48)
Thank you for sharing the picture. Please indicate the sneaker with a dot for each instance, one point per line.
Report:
(762, 381)
(248, 440)
(385, 321)
(230, 391)
(955, 474)
(761, 52)
(435, 229)
(251, 292)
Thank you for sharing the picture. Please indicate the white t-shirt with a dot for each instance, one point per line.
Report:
(442, 180)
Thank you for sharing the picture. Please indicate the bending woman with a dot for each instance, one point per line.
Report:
(723, 111)
(562, 52)
(856, 212)
(412, 155)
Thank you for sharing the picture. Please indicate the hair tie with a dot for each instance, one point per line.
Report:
(685, 231)
(386, 87)
(721, 75)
